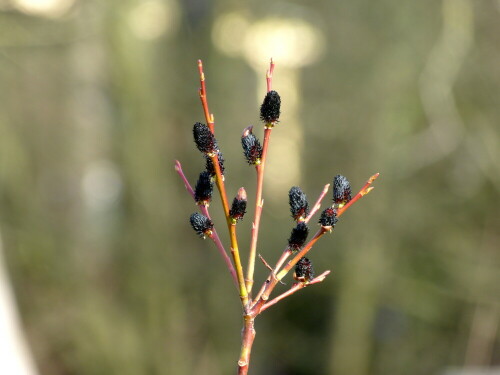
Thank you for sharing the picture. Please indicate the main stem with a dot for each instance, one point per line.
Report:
(247, 338)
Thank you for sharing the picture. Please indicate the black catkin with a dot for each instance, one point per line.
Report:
(341, 190)
(252, 148)
(271, 107)
(239, 206)
(328, 217)
(204, 188)
(209, 165)
(201, 224)
(304, 271)
(299, 207)
(204, 138)
(298, 237)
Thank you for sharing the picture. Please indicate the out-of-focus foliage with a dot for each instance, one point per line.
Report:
(97, 99)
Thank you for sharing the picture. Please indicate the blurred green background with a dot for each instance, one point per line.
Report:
(98, 99)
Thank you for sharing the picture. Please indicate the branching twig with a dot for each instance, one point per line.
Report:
(317, 205)
(296, 287)
(202, 224)
(214, 236)
(364, 190)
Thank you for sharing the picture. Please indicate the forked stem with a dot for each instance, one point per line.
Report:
(296, 287)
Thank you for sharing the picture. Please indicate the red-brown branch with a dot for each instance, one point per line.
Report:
(214, 236)
(221, 187)
(259, 202)
(203, 97)
(317, 205)
(296, 287)
(364, 190)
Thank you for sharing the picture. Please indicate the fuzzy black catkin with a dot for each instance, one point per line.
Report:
(204, 138)
(204, 188)
(238, 209)
(304, 270)
(209, 166)
(328, 217)
(341, 189)
(252, 148)
(201, 224)
(270, 109)
(299, 207)
(298, 236)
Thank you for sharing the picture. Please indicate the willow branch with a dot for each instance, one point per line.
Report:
(221, 187)
(259, 202)
(296, 287)
(364, 190)
(317, 205)
(214, 236)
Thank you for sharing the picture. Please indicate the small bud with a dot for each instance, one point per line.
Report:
(270, 108)
(304, 271)
(204, 139)
(341, 190)
(209, 166)
(204, 188)
(201, 224)
(251, 146)
(328, 217)
(238, 209)
(298, 203)
(298, 236)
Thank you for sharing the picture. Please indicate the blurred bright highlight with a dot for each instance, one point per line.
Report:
(152, 19)
(44, 8)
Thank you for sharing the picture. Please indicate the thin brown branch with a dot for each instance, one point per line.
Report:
(259, 202)
(203, 97)
(296, 287)
(269, 75)
(221, 187)
(265, 263)
(214, 236)
(364, 190)
(317, 205)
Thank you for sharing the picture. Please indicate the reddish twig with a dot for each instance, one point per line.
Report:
(269, 75)
(265, 263)
(296, 287)
(317, 205)
(259, 202)
(287, 252)
(364, 190)
(209, 117)
(221, 187)
(214, 236)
